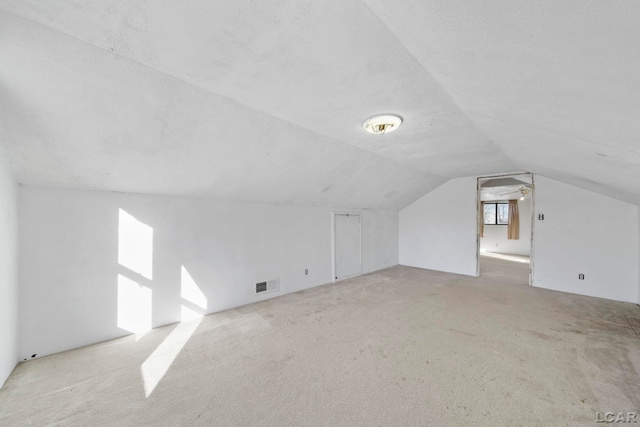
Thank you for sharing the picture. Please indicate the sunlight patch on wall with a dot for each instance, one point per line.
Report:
(156, 366)
(135, 245)
(190, 291)
(134, 306)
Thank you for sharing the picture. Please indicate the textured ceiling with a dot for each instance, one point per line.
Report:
(263, 101)
(502, 193)
(555, 84)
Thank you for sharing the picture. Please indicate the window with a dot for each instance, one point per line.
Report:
(496, 213)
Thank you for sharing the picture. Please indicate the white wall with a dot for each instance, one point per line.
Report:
(8, 272)
(495, 236)
(379, 240)
(69, 244)
(585, 232)
(438, 231)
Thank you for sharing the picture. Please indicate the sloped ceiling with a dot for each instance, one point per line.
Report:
(263, 101)
(555, 84)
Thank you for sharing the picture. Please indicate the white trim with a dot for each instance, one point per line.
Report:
(533, 227)
(479, 204)
(478, 225)
(333, 243)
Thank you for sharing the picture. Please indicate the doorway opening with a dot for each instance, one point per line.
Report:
(505, 208)
(347, 245)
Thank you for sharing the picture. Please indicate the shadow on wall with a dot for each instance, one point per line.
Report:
(135, 283)
(135, 300)
(97, 266)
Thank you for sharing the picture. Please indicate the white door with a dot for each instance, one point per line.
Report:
(347, 245)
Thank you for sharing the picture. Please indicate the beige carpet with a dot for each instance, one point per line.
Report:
(402, 346)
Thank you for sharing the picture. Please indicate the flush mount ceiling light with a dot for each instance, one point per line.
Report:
(379, 125)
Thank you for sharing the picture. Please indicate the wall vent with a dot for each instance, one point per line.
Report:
(268, 286)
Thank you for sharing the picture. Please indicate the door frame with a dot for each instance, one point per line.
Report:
(533, 210)
(333, 243)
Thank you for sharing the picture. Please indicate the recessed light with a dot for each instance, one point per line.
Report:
(384, 123)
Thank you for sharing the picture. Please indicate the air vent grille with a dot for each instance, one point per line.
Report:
(268, 286)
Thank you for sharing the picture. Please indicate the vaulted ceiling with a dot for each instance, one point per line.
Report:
(264, 101)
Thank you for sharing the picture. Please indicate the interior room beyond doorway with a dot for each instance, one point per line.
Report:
(505, 213)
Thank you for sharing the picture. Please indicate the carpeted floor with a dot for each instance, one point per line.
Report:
(402, 346)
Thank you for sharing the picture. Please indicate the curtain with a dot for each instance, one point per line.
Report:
(513, 229)
(481, 219)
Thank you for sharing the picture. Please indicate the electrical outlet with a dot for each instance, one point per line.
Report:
(540, 217)
(580, 276)
(306, 271)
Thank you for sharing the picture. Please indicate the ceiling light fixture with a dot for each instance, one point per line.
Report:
(379, 125)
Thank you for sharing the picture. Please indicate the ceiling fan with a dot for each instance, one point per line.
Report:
(522, 190)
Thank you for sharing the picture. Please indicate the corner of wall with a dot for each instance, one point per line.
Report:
(577, 237)
(8, 271)
(379, 240)
(226, 247)
(439, 230)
